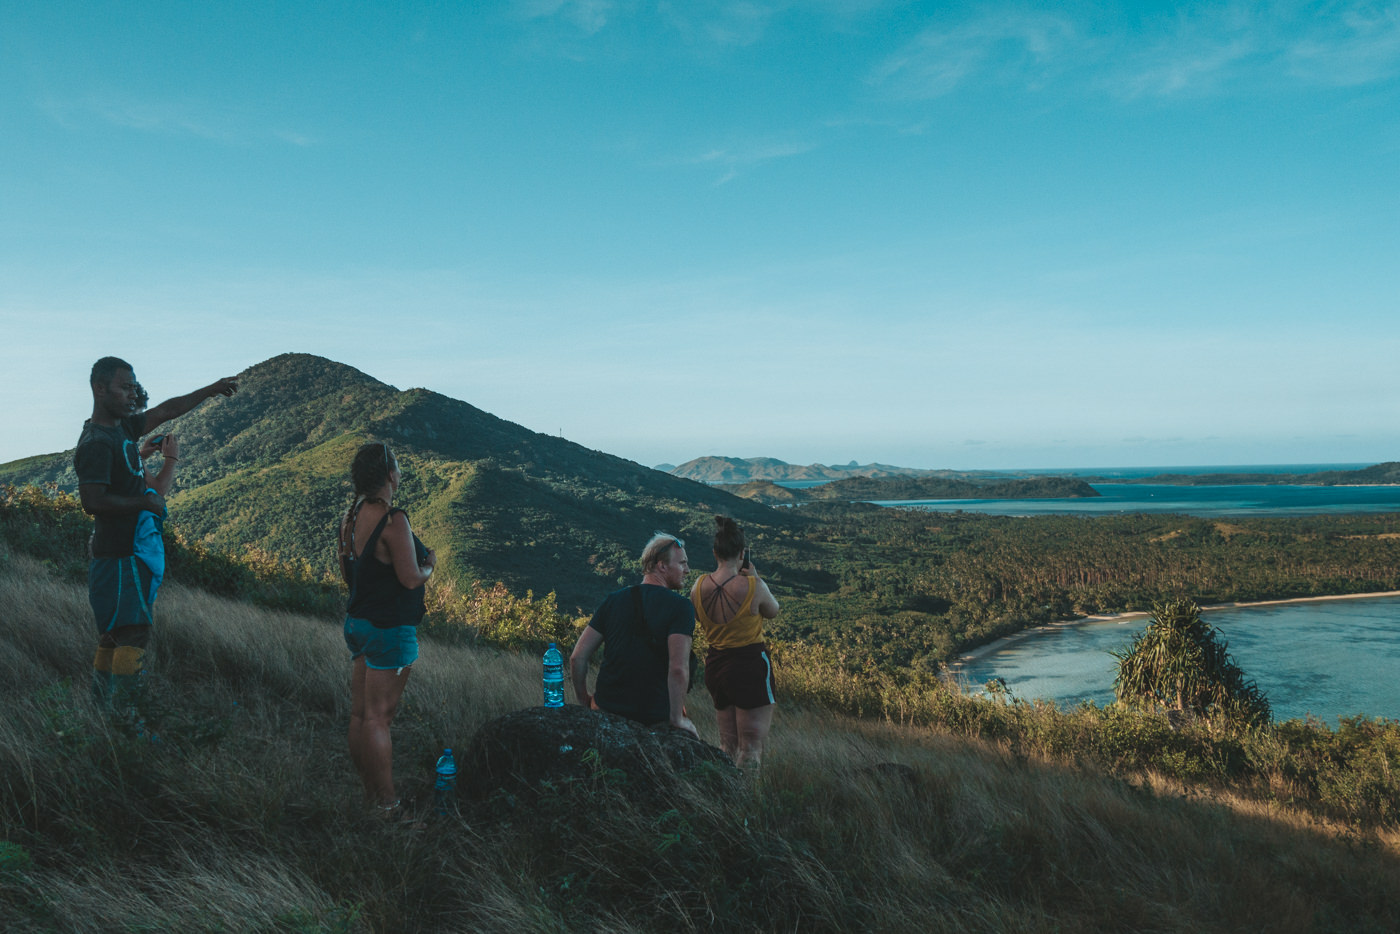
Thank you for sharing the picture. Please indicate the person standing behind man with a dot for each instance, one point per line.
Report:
(112, 488)
(732, 604)
(648, 629)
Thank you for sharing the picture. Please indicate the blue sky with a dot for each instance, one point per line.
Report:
(971, 236)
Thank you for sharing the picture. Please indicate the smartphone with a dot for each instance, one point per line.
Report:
(158, 440)
(746, 559)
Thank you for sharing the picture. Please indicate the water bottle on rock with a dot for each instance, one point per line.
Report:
(446, 783)
(553, 677)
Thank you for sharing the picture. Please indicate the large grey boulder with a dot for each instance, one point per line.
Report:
(543, 749)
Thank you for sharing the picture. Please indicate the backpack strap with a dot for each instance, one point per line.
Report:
(639, 619)
(643, 632)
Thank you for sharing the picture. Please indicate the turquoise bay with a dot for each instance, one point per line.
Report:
(1205, 501)
(1329, 659)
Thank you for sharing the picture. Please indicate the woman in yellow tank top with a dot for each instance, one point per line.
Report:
(731, 605)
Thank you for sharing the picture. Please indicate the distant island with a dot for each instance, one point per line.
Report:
(1387, 474)
(738, 470)
(868, 489)
(740, 474)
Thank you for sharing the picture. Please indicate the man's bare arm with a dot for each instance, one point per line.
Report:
(97, 498)
(170, 451)
(588, 642)
(174, 408)
(678, 682)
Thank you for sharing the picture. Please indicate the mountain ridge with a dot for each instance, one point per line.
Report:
(268, 468)
(723, 469)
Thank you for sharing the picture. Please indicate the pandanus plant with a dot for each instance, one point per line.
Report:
(1180, 664)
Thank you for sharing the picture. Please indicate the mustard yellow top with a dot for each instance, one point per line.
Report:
(745, 628)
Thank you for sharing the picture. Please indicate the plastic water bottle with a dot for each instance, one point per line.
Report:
(446, 784)
(553, 677)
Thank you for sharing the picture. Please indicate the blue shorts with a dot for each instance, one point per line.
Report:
(120, 592)
(383, 649)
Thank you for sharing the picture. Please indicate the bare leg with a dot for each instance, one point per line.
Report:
(728, 731)
(357, 721)
(375, 695)
(753, 726)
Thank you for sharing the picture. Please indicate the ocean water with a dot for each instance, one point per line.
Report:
(1206, 501)
(1328, 659)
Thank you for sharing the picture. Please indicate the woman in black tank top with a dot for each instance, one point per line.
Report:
(386, 567)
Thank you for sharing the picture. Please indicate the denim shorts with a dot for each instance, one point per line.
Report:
(383, 649)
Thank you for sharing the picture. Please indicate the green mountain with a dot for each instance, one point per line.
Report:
(268, 468)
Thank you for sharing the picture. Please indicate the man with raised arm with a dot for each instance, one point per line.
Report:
(113, 489)
(648, 629)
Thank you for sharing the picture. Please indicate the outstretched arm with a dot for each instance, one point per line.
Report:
(174, 408)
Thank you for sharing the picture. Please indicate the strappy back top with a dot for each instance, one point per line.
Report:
(375, 591)
(746, 626)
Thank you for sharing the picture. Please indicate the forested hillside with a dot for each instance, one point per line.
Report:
(269, 468)
(887, 589)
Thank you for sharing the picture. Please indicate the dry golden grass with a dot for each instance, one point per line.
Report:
(243, 817)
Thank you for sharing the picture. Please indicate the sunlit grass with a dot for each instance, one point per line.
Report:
(244, 816)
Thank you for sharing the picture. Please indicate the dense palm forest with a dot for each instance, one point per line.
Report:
(264, 476)
(898, 589)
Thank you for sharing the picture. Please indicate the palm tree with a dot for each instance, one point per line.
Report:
(1180, 664)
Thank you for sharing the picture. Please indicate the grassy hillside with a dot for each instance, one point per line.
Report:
(243, 816)
(264, 476)
(269, 469)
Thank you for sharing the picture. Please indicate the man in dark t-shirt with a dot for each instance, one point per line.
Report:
(646, 662)
(112, 488)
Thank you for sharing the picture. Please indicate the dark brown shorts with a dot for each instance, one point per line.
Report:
(741, 677)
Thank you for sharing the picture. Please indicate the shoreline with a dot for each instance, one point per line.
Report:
(956, 666)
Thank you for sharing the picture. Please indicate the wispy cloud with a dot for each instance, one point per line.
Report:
(1207, 50)
(724, 24)
(733, 160)
(588, 16)
(1360, 45)
(1009, 45)
(1258, 45)
(174, 118)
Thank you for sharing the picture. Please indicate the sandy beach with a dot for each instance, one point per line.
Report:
(984, 650)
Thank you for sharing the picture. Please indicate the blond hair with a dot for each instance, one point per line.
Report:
(658, 550)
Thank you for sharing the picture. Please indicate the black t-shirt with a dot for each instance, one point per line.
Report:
(112, 457)
(632, 677)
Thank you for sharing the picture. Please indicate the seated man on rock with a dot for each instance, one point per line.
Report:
(647, 628)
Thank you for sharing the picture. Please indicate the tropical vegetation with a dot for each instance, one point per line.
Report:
(1180, 664)
(235, 807)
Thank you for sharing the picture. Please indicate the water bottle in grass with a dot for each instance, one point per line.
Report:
(446, 783)
(553, 677)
